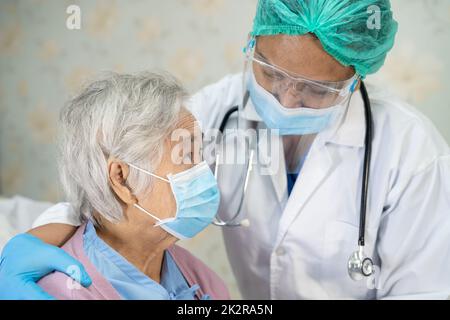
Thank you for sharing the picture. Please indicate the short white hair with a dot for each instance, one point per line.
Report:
(123, 116)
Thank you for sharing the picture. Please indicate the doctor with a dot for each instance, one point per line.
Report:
(305, 64)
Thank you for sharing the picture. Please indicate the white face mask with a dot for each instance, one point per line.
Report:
(197, 196)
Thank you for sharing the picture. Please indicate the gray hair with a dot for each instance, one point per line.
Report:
(122, 116)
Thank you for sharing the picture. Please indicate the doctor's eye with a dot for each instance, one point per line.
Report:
(273, 75)
(311, 90)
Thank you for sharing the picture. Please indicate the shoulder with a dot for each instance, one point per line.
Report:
(402, 130)
(230, 82)
(63, 287)
(196, 271)
(62, 212)
(58, 284)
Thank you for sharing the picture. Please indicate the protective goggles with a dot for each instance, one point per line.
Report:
(293, 90)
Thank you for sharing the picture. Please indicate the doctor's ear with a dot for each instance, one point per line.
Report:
(118, 173)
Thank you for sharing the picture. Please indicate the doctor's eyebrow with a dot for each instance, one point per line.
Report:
(261, 55)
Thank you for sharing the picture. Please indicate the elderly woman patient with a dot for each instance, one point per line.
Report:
(134, 197)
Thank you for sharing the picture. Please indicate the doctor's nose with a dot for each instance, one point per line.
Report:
(289, 99)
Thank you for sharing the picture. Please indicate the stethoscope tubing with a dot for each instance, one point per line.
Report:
(364, 182)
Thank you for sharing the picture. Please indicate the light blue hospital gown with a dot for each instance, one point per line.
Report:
(130, 282)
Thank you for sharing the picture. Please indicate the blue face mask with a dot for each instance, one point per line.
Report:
(289, 121)
(197, 196)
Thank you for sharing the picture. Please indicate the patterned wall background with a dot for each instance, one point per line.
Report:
(42, 63)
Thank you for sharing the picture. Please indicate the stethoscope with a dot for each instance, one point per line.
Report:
(359, 265)
(232, 221)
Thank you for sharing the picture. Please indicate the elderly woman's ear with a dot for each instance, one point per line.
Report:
(118, 174)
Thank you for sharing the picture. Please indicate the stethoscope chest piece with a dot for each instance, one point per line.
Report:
(360, 266)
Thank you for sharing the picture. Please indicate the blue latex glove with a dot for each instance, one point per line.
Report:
(26, 259)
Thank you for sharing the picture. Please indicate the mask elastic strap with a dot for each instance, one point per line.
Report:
(250, 45)
(148, 172)
(151, 215)
(355, 82)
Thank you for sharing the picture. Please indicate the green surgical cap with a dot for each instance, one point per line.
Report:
(356, 33)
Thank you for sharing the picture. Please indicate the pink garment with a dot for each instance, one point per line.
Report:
(63, 287)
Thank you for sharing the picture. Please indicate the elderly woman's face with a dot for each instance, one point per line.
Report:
(182, 150)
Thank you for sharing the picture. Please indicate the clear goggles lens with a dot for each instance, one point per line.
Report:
(294, 91)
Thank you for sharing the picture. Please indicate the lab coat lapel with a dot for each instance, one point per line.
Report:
(318, 166)
(322, 160)
(270, 151)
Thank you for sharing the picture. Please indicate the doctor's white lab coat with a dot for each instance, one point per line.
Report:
(297, 247)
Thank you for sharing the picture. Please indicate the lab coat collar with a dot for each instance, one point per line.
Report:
(249, 112)
(273, 153)
(350, 128)
(276, 159)
(321, 164)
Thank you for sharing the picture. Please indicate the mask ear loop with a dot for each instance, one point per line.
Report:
(141, 208)
(151, 215)
(149, 173)
(350, 88)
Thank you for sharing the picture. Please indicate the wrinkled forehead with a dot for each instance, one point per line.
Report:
(186, 129)
(302, 55)
(187, 121)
